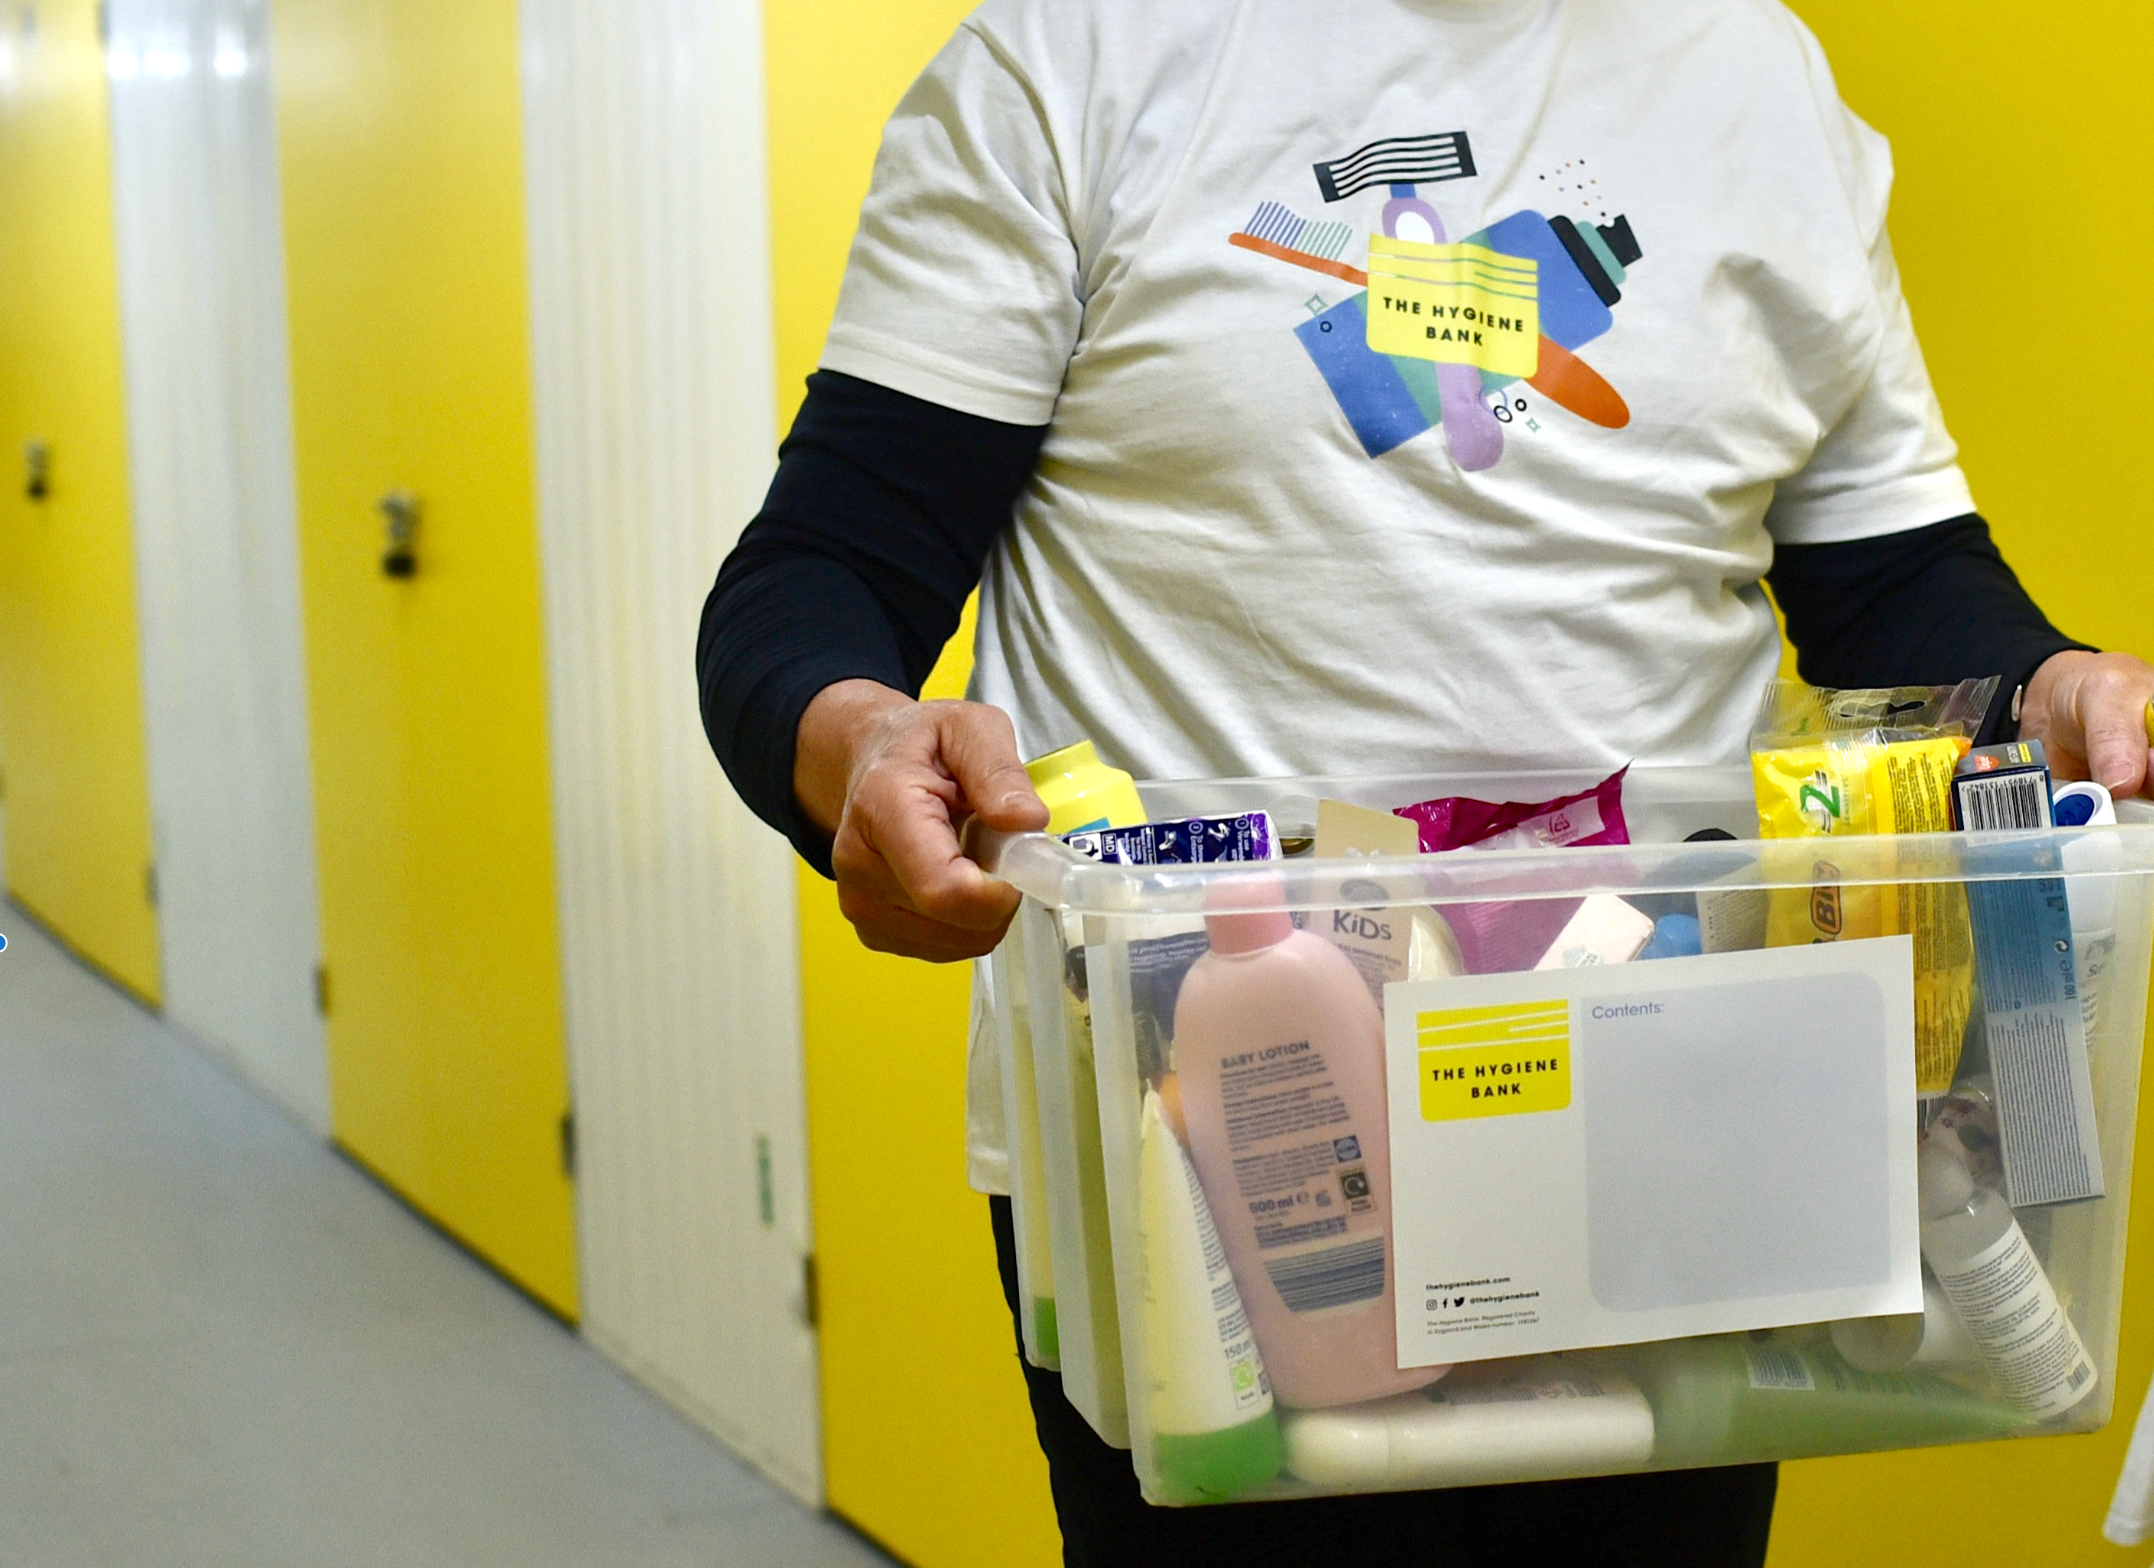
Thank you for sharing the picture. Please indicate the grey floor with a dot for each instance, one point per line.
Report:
(221, 1345)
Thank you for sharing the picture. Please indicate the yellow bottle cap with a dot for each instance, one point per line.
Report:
(1069, 759)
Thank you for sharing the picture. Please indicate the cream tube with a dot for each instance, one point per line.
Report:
(1536, 1419)
(1432, 952)
(1206, 1398)
(1934, 1338)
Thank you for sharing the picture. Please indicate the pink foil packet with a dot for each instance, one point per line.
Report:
(1592, 816)
(1502, 937)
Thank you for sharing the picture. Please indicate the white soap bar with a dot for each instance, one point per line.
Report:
(1604, 931)
(1535, 1419)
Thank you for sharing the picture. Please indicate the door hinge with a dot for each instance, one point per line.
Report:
(811, 1296)
(568, 1143)
(321, 989)
(149, 883)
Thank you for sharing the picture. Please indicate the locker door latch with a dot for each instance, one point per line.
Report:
(400, 518)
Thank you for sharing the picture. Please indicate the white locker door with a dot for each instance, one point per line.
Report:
(210, 464)
(652, 364)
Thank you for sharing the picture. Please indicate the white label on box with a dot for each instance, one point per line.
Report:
(1634, 1152)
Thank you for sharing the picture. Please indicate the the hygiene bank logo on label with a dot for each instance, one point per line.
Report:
(1494, 1061)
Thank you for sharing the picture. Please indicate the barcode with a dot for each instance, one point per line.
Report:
(1333, 1277)
(2079, 1375)
(1771, 1368)
(2012, 800)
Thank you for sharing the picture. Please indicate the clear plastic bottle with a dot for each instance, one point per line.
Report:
(1996, 1284)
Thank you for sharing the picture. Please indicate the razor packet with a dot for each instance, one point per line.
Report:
(1828, 763)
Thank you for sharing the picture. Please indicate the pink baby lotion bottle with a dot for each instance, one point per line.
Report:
(1280, 1054)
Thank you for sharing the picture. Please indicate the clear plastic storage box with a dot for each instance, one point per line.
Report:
(1650, 1214)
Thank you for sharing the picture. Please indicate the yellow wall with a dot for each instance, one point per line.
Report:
(927, 1440)
(72, 743)
(401, 142)
(2012, 127)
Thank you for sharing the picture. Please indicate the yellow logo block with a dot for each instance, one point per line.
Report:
(1494, 1061)
(1455, 304)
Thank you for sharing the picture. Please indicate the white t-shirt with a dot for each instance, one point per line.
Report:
(1504, 506)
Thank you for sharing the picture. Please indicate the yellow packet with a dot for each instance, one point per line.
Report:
(1873, 781)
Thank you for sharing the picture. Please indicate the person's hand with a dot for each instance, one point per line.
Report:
(893, 782)
(2089, 711)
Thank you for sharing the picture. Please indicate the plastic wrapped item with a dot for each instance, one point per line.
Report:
(1587, 816)
(1504, 936)
(1116, 941)
(1833, 763)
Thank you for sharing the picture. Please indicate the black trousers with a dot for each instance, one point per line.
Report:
(1672, 1519)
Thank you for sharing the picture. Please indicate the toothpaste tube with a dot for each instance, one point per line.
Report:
(1189, 841)
(2031, 1010)
(2093, 897)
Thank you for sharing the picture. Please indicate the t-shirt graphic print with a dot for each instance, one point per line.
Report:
(1441, 332)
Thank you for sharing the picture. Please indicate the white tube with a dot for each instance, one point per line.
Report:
(1536, 1419)
(1432, 952)
(1933, 1337)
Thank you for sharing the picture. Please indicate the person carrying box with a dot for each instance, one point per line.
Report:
(1361, 388)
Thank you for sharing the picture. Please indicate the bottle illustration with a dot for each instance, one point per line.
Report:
(1206, 1398)
(1280, 1059)
(1987, 1270)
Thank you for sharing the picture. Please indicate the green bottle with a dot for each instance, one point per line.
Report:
(1207, 1403)
(1735, 1398)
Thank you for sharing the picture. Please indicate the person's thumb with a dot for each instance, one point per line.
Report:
(979, 750)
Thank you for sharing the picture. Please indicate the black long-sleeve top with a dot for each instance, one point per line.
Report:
(884, 507)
